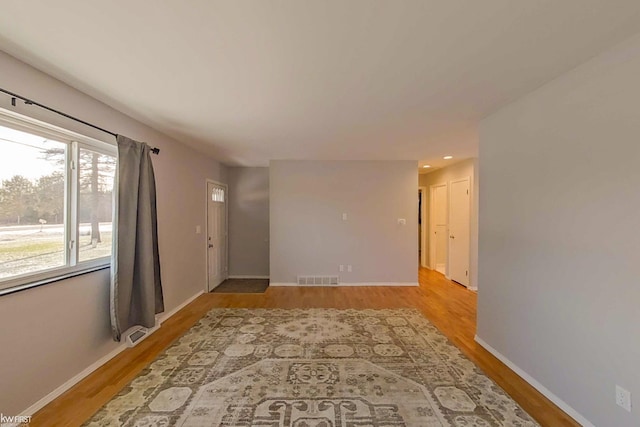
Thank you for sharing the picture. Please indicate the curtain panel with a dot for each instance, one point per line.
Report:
(136, 288)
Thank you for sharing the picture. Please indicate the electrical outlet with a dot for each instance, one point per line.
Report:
(341, 267)
(349, 268)
(623, 398)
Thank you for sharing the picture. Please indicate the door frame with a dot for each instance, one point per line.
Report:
(423, 226)
(468, 181)
(432, 226)
(206, 229)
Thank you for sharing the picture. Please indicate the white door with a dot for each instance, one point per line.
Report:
(420, 227)
(459, 223)
(438, 229)
(216, 234)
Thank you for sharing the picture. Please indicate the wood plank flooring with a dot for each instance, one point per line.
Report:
(449, 306)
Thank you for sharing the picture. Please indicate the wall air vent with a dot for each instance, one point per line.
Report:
(138, 334)
(317, 280)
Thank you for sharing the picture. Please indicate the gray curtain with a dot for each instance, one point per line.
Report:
(136, 289)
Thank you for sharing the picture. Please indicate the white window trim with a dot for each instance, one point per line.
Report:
(75, 142)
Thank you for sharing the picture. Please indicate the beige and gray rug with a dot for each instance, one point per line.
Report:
(312, 368)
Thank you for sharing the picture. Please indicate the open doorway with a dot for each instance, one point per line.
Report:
(450, 206)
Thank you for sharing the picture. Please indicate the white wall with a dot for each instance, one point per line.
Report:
(248, 205)
(465, 169)
(51, 333)
(559, 235)
(309, 237)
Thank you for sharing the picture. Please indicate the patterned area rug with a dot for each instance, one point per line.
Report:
(312, 368)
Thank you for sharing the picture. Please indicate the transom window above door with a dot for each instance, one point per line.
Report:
(217, 195)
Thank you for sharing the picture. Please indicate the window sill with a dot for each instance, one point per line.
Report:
(56, 278)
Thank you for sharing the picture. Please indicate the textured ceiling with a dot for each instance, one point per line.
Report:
(250, 81)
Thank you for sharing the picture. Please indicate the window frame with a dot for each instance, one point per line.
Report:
(75, 142)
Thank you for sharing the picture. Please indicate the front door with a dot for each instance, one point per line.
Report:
(216, 234)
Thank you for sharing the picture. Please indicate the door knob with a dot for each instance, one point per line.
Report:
(210, 245)
(452, 237)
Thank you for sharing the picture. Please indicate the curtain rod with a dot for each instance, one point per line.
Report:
(28, 101)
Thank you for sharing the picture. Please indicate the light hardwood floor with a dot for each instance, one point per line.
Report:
(450, 307)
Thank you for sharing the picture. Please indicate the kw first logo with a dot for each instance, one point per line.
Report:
(9, 420)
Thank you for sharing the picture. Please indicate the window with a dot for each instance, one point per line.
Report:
(56, 201)
(95, 203)
(217, 194)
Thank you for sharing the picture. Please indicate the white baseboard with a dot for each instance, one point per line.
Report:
(248, 277)
(381, 284)
(535, 384)
(94, 366)
(348, 284)
(164, 316)
(72, 381)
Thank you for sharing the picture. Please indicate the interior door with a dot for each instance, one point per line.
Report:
(459, 224)
(439, 224)
(420, 225)
(216, 234)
